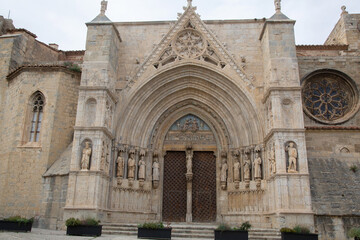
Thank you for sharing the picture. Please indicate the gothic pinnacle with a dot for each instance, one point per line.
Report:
(277, 5)
(103, 7)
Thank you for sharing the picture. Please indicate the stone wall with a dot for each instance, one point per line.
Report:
(23, 163)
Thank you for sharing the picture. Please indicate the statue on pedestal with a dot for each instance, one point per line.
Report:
(85, 159)
(257, 166)
(292, 157)
(131, 165)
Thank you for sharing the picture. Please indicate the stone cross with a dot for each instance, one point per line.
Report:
(189, 3)
(277, 5)
(103, 7)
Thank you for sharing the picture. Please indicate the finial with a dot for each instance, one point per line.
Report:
(343, 8)
(277, 5)
(189, 3)
(103, 7)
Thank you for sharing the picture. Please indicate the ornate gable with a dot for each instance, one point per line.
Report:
(190, 39)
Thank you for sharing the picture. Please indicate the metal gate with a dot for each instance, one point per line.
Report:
(204, 187)
(174, 192)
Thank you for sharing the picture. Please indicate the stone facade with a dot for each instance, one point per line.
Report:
(238, 90)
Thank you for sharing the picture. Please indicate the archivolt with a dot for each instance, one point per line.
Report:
(146, 105)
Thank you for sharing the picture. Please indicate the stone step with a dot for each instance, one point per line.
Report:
(193, 231)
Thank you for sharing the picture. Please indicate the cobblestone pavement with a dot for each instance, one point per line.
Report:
(42, 234)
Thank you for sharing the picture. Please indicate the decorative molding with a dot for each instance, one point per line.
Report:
(102, 129)
(113, 96)
(278, 89)
(282, 130)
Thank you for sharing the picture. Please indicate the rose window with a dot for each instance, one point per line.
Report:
(328, 98)
(189, 44)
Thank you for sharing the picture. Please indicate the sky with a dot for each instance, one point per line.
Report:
(63, 21)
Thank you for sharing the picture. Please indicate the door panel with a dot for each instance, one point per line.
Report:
(204, 187)
(174, 192)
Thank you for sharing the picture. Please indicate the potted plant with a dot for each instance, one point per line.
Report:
(154, 231)
(87, 227)
(224, 231)
(354, 233)
(16, 224)
(297, 233)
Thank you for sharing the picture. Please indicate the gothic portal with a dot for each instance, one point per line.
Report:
(186, 121)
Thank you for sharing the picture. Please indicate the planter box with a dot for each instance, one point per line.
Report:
(231, 235)
(84, 230)
(164, 233)
(15, 226)
(298, 236)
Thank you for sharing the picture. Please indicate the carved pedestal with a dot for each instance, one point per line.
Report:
(247, 183)
(119, 181)
(155, 184)
(223, 185)
(258, 182)
(237, 184)
(141, 182)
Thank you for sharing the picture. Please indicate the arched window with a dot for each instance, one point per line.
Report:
(38, 102)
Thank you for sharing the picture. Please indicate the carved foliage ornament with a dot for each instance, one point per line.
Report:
(329, 97)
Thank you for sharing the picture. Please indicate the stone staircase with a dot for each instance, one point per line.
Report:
(187, 231)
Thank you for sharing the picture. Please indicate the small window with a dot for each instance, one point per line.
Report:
(37, 116)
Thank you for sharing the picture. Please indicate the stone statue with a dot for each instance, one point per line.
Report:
(272, 161)
(108, 115)
(103, 7)
(277, 5)
(189, 3)
(156, 170)
(142, 167)
(120, 166)
(292, 157)
(195, 125)
(189, 157)
(224, 168)
(131, 166)
(86, 154)
(257, 166)
(103, 157)
(237, 170)
(247, 166)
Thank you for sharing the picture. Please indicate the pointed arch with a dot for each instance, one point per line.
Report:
(34, 117)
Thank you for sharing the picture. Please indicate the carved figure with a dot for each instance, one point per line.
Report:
(103, 157)
(189, 157)
(257, 166)
(103, 7)
(131, 166)
(277, 5)
(86, 153)
(156, 169)
(195, 125)
(108, 115)
(142, 168)
(120, 167)
(237, 170)
(224, 168)
(292, 157)
(247, 166)
(272, 161)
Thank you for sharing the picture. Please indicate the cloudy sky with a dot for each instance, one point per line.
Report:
(63, 21)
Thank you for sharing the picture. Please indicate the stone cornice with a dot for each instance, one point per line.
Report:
(106, 23)
(274, 21)
(283, 130)
(322, 47)
(332, 128)
(102, 129)
(272, 89)
(40, 68)
(100, 88)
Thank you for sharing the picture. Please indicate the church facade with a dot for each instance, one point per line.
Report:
(183, 121)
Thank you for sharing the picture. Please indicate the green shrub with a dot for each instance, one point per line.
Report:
(72, 222)
(224, 227)
(155, 225)
(245, 226)
(287, 230)
(73, 67)
(19, 219)
(354, 232)
(301, 229)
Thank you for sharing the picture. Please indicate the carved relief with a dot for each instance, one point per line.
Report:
(247, 167)
(223, 170)
(257, 166)
(156, 171)
(189, 44)
(142, 168)
(86, 154)
(104, 160)
(292, 157)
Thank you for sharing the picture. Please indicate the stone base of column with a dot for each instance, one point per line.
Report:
(188, 217)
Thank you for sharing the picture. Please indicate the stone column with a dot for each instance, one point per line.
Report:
(189, 177)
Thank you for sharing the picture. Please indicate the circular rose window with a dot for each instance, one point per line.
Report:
(329, 96)
(189, 44)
